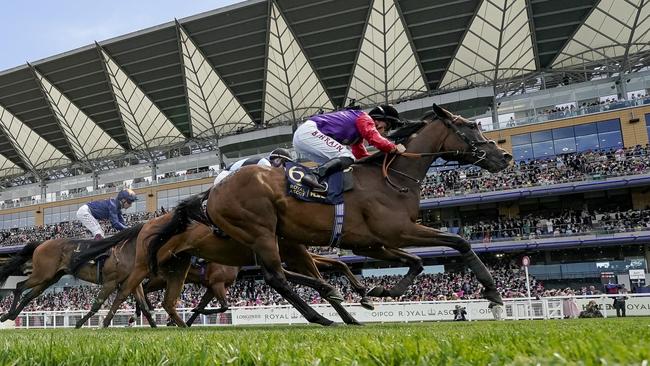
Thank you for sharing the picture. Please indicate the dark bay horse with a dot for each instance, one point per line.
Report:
(252, 207)
(217, 278)
(51, 260)
(200, 241)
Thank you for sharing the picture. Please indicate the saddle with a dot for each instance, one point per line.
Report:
(336, 184)
(100, 260)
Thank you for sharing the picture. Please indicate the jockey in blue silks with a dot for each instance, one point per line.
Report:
(108, 209)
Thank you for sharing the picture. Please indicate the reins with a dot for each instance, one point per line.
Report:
(475, 152)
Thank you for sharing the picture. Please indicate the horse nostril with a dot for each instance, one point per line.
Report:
(508, 157)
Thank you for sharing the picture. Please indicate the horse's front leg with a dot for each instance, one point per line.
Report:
(394, 255)
(423, 236)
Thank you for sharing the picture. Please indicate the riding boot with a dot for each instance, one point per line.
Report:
(482, 274)
(330, 167)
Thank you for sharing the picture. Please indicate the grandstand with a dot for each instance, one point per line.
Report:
(162, 110)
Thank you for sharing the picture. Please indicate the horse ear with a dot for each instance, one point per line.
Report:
(441, 113)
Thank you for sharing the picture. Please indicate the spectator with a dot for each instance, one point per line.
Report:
(460, 313)
(619, 301)
(591, 311)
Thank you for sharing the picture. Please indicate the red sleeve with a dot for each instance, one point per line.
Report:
(368, 132)
(359, 151)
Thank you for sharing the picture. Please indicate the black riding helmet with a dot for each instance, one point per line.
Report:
(280, 153)
(386, 113)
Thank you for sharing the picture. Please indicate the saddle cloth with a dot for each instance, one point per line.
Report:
(336, 184)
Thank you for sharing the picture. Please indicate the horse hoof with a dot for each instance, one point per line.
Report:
(78, 325)
(334, 295)
(323, 321)
(378, 291)
(493, 296)
(367, 304)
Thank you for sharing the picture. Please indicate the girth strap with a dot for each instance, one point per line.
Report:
(337, 229)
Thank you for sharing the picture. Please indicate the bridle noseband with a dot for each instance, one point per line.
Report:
(473, 151)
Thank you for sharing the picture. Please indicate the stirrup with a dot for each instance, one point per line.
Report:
(312, 182)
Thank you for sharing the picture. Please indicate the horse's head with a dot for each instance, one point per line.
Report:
(467, 144)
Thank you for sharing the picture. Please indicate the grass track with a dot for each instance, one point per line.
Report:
(584, 341)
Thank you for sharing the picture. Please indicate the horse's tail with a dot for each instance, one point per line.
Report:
(186, 211)
(90, 249)
(17, 260)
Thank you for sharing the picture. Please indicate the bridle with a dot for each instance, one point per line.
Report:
(473, 151)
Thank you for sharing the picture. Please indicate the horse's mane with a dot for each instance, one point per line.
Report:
(399, 136)
(404, 133)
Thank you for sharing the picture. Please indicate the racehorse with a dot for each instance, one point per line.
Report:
(217, 278)
(252, 207)
(51, 260)
(200, 241)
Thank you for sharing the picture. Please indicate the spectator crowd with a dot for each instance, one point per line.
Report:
(565, 223)
(66, 229)
(254, 292)
(574, 167)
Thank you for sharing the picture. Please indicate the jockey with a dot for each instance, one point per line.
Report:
(109, 209)
(276, 159)
(324, 137)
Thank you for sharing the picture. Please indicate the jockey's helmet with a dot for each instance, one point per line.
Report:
(280, 153)
(386, 113)
(128, 195)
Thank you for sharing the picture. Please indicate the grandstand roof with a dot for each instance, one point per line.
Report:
(281, 60)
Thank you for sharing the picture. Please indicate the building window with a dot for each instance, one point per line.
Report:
(566, 140)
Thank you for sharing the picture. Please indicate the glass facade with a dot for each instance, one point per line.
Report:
(169, 198)
(17, 220)
(565, 140)
(54, 215)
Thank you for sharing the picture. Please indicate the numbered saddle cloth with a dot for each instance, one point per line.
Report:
(335, 184)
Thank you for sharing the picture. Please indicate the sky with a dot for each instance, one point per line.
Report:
(31, 30)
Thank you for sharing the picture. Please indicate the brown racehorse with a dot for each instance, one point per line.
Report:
(217, 278)
(200, 241)
(252, 207)
(51, 259)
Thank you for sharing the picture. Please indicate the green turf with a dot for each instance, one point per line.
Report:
(584, 341)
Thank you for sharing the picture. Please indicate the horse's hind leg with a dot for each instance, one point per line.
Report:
(200, 309)
(394, 255)
(126, 288)
(267, 250)
(142, 301)
(36, 290)
(338, 266)
(219, 291)
(106, 290)
(20, 287)
(326, 291)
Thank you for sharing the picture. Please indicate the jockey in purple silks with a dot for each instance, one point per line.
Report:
(324, 138)
(109, 209)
